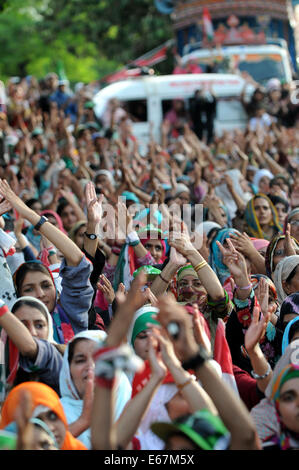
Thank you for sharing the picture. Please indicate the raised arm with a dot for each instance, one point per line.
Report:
(68, 248)
(232, 411)
(205, 273)
(17, 332)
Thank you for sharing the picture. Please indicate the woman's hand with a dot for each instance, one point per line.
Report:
(105, 286)
(176, 258)
(157, 366)
(234, 260)
(183, 340)
(128, 304)
(182, 243)
(166, 348)
(288, 245)
(256, 330)
(11, 200)
(93, 204)
(243, 243)
(88, 400)
(200, 334)
(23, 414)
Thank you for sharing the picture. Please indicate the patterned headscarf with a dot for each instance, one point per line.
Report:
(269, 258)
(215, 258)
(253, 224)
(282, 272)
(266, 414)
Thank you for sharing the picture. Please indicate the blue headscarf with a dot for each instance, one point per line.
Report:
(286, 338)
(215, 257)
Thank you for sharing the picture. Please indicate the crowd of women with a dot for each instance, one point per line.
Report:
(159, 334)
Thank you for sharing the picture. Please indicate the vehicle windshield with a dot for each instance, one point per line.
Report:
(264, 69)
(261, 67)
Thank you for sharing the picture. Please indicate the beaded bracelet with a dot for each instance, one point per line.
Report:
(260, 377)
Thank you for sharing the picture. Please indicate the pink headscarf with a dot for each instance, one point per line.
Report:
(259, 243)
(56, 217)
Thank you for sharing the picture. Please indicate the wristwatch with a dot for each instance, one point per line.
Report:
(91, 236)
(41, 221)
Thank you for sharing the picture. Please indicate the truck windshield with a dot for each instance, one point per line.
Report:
(263, 69)
(260, 66)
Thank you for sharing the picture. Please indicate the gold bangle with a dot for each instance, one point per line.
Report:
(200, 265)
(188, 381)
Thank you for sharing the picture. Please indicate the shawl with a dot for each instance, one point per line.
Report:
(265, 415)
(253, 224)
(43, 395)
(215, 258)
(269, 258)
(70, 400)
(282, 272)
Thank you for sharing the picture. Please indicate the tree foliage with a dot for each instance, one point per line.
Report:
(91, 37)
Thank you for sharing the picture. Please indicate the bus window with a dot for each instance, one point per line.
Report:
(136, 109)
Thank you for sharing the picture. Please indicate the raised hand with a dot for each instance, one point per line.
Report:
(243, 243)
(289, 247)
(158, 368)
(262, 295)
(127, 306)
(170, 312)
(105, 286)
(199, 330)
(256, 330)
(176, 257)
(166, 347)
(233, 259)
(182, 243)
(11, 200)
(93, 204)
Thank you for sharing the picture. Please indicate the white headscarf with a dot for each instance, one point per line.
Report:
(72, 403)
(260, 174)
(106, 173)
(40, 306)
(282, 272)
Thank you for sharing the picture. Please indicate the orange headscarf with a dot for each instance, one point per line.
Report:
(41, 394)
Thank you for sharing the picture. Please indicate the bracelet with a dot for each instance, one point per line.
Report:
(183, 385)
(164, 280)
(260, 377)
(215, 303)
(245, 287)
(52, 252)
(133, 238)
(200, 265)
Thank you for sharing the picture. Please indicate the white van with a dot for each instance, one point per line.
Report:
(148, 98)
